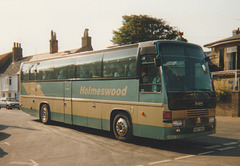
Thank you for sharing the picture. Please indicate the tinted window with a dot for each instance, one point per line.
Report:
(64, 68)
(181, 50)
(32, 72)
(150, 75)
(184, 69)
(88, 66)
(120, 63)
(25, 71)
(45, 70)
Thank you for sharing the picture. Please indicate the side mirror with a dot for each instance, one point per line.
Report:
(207, 59)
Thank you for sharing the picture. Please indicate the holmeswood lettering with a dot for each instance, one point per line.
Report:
(103, 91)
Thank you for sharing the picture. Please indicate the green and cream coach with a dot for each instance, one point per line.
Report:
(156, 89)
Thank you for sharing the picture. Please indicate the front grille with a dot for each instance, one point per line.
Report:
(194, 121)
(197, 113)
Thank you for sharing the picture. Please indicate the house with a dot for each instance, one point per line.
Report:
(225, 69)
(226, 62)
(227, 52)
(9, 71)
(10, 63)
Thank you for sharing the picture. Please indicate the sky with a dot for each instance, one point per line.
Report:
(30, 22)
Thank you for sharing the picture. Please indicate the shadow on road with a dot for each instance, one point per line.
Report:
(3, 127)
(190, 146)
(2, 153)
(3, 136)
(193, 146)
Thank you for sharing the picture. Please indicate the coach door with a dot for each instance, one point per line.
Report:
(150, 80)
(68, 102)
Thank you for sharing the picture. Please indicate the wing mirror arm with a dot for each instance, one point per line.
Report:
(206, 59)
(157, 61)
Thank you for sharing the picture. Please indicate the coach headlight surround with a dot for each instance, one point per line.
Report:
(177, 123)
(211, 119)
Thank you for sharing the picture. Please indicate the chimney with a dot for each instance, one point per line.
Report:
(87, 40)
(53, 43)
(17, 52)
(236, 32)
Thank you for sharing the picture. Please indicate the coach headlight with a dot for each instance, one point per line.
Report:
(211, 119)
(177, 123)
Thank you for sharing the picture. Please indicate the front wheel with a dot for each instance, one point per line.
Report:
(122, 128)
(45, 114)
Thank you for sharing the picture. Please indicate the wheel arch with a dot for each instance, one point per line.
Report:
(118, 111)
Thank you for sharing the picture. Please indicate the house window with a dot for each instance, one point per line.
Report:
(221, 59)
(231, 58)
(10, 81)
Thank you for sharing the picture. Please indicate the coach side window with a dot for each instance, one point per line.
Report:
(150, 80)
(25, 72)
(45, 70)
(120, 63)
(32, 72)
(89, 66)
(64, 68)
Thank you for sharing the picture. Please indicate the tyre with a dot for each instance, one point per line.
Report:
(122, 128)
(45, 114)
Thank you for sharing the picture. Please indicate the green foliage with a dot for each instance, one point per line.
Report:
(138, 28)
(223, 96)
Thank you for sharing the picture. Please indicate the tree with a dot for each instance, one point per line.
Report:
(138, 28)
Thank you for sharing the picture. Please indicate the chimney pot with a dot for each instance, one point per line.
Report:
(86, 40)
(236, 32)
(53, 43)
(17, 51)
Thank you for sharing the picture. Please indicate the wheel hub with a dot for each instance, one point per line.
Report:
(44, 114)
(121, 127)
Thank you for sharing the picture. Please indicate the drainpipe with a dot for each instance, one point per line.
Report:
(236, 80)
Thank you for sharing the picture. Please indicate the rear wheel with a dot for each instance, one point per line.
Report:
(45, 114)
(122, 128)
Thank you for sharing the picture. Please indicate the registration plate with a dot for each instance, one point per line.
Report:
(198, 129)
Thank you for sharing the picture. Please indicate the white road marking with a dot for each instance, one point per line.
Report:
(7, 143)
(34, 162)
(227, 148)
(31, 163)
(158, 162)
(184, 157)
(204, 153)
(230, 143)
